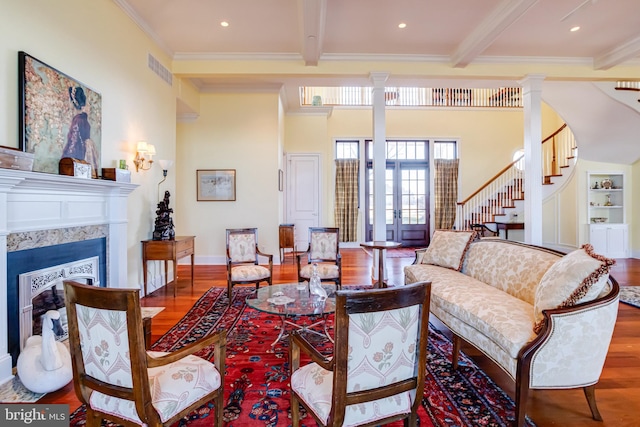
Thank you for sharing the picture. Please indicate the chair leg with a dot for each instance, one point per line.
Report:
(219, 402)
(411, 420)
(295, 411)
(92, 419)
(590, 394)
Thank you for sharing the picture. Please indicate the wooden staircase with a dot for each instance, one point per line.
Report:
(494, 199)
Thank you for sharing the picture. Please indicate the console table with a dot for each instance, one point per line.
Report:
(167, 250)
(506, 226)
(287, 240)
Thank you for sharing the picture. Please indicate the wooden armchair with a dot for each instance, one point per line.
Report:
(324, 250)
(117, 379)
(243, 259)
(377, 372)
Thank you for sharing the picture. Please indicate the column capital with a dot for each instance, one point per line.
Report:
(378, 78)
(532, 82)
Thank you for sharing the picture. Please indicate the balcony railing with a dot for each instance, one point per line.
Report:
(504, 97)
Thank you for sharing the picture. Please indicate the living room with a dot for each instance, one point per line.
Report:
(250, 132)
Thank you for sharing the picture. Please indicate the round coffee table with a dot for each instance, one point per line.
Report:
(291, 301)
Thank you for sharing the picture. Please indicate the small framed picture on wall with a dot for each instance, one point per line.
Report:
(216, 185)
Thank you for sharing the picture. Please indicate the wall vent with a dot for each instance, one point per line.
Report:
(160, 70)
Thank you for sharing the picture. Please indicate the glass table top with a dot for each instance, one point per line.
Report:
(292, 299)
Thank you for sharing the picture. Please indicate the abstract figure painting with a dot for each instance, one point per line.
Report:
(59, 116)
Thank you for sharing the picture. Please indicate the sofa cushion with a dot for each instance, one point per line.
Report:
(447, 248)
(512, 267)
(577, 277)
(501, 318)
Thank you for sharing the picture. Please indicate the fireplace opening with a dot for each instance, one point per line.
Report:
(42, 290)
(20, 305)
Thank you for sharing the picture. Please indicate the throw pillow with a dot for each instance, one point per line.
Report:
(577, 277)
(447, 248)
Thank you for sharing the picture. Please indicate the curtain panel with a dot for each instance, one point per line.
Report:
(446, 192)
(346, 199)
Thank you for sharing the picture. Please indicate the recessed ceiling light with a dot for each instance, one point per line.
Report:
(574, 29)
(402, 25)
(224, 24)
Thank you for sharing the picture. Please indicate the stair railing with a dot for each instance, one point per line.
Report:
(487, 203)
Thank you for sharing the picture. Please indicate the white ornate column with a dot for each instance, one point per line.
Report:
(379, 163)
(532, 103)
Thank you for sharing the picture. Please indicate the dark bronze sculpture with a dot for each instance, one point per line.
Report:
(164, 224)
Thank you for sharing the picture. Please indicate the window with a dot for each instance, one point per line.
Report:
(518, 158)
(347, 149)
(402, 150)
(445, 150)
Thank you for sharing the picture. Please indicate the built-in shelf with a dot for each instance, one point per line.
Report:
(607, 228)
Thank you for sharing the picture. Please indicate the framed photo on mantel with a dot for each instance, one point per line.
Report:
(216, 185)
(58, 117)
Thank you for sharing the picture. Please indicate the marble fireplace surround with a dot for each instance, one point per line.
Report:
(36, 209)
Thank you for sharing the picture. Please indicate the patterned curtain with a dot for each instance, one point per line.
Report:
(446, 192)
(346, 209)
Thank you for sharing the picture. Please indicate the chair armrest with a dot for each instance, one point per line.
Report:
(219, 339)
(296, 343)
(268, 256)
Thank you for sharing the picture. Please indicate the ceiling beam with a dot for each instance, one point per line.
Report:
(312, 22)
(508, 12)
(629, 49)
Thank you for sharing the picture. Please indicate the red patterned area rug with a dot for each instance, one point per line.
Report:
(257, 376)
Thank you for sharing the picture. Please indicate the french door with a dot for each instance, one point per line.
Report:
(406, 194)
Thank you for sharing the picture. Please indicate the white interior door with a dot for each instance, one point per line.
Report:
(303, 195)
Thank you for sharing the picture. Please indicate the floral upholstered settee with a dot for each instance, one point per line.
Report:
(544, 317)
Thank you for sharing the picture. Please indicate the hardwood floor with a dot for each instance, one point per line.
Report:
(617, 393)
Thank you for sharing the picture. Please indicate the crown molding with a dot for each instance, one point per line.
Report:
(135, 17)
(628, 50)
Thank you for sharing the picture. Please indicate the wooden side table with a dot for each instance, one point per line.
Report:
(380, 246)
(167, 250)
(506, 226)
(287, 240)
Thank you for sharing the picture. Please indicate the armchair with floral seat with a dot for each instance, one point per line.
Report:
(376, 374)
(117, 379)
(243, 263)
(323, 250)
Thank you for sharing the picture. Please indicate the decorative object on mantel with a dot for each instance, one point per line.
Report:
(164, 224)
(12, 158)
(75, 167)
(116, 174)
(44, 364)
(58, 117)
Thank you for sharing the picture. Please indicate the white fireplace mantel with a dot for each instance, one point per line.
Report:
(34, 201)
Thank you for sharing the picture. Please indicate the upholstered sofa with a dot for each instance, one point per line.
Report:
(544, 317)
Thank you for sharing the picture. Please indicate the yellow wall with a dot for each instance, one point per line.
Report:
(234, 131)
(98, 45)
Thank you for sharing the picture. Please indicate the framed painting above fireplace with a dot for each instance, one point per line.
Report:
(59, 116)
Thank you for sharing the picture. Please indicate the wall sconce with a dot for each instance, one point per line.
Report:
(144, 154)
